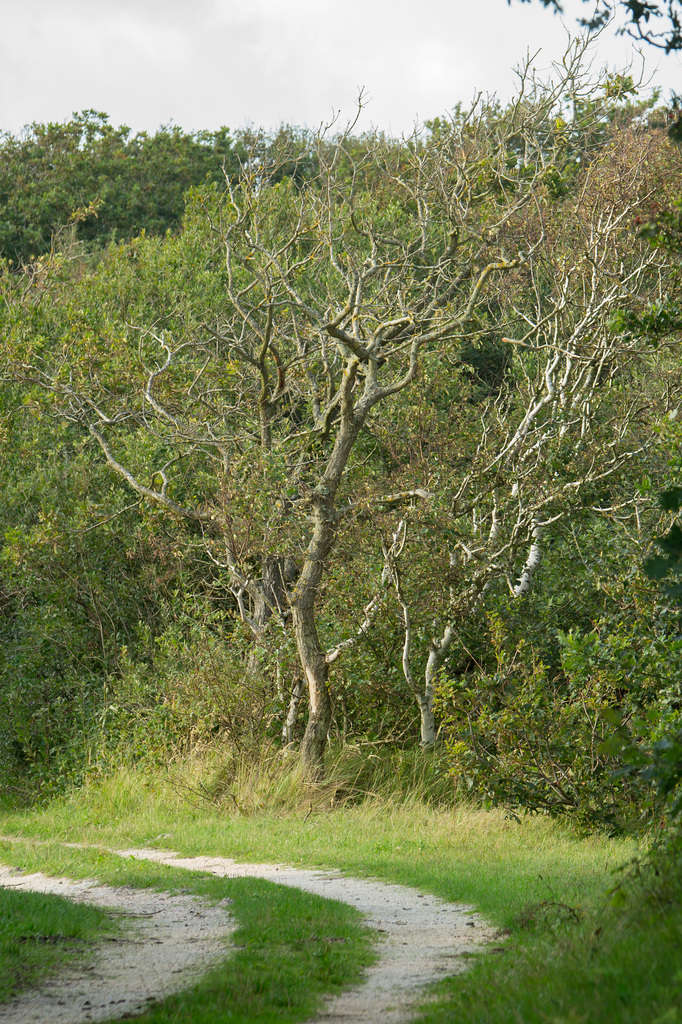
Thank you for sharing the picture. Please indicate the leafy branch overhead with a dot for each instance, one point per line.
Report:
(655, 22)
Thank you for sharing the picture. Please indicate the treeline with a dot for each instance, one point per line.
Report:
(351, 439)
(88, 181)
(101, 182)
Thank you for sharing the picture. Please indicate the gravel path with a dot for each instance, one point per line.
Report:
(168, 941)
(423, 939)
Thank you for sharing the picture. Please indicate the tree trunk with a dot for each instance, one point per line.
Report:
(271, 599)
(532, 562)
(292, 714)
(310, 653)
(302, 600)
(428, 722)
(319, 700)
(437, 654)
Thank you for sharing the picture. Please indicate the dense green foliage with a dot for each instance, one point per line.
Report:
(385, 427)
(504, 293)
(87, 180)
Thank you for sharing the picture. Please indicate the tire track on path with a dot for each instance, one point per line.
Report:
(422, 938)
(169, 941)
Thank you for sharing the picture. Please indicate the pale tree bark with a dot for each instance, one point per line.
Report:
(566, 429)
(334, 292)
(531, 565)
(290, 722)
(424, 698)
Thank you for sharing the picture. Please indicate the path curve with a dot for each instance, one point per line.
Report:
(169, 941)
(423, 937)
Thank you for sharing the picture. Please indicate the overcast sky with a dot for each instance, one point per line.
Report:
(207, 63)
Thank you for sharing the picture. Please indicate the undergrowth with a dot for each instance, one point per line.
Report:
(277, 782)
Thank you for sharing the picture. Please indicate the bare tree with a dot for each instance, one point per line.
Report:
(323, 294)
(561, 437)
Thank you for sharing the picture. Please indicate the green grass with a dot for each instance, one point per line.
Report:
(470, 857)
(617, 967)
(570, 954)
(39, 932)
(292, 948)
(460, 853)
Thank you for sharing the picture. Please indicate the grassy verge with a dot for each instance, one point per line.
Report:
(39, 932)
(615, 967)
(460, 853)
(292, 948)
(571, 955)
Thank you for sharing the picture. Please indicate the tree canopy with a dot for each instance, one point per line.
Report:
(367, 446)
(100, 182)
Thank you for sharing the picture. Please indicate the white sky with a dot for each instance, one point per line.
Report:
(207, 63)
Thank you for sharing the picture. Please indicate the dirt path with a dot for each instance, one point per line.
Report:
(168, 941)
(423, 937)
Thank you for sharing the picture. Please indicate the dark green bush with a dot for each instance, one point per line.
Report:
(519, 737)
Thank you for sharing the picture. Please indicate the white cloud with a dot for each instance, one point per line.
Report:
(203, 63)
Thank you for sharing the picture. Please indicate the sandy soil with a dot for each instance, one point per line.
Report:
(422, 939)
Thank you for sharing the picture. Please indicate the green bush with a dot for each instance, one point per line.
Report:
(519, 737)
